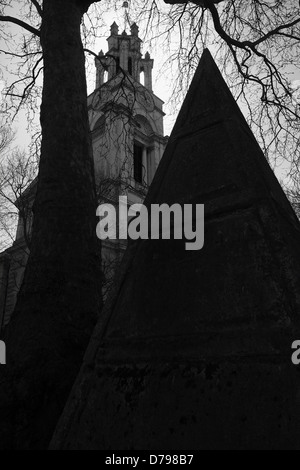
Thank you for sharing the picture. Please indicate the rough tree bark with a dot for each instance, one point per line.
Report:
(60, 296)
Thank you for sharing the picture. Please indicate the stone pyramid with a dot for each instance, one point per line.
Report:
(193, 348)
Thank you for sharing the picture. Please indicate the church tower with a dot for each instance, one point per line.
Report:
(126, 122)
(126, 117)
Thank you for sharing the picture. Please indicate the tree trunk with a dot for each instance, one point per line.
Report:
(60, 295)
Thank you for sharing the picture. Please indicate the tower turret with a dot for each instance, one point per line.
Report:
(124, 54)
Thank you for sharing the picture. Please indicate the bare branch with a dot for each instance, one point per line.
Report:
(38, 7)
(14, 54)
(21, 23)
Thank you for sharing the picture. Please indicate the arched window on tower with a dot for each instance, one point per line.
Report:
(142, 77)
(118, 65)
(143, 154)
(138, 162)
(130, 65)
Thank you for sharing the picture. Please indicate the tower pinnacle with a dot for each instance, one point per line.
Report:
(124, 54)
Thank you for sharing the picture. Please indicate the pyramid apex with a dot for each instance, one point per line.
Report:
(209, 97)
